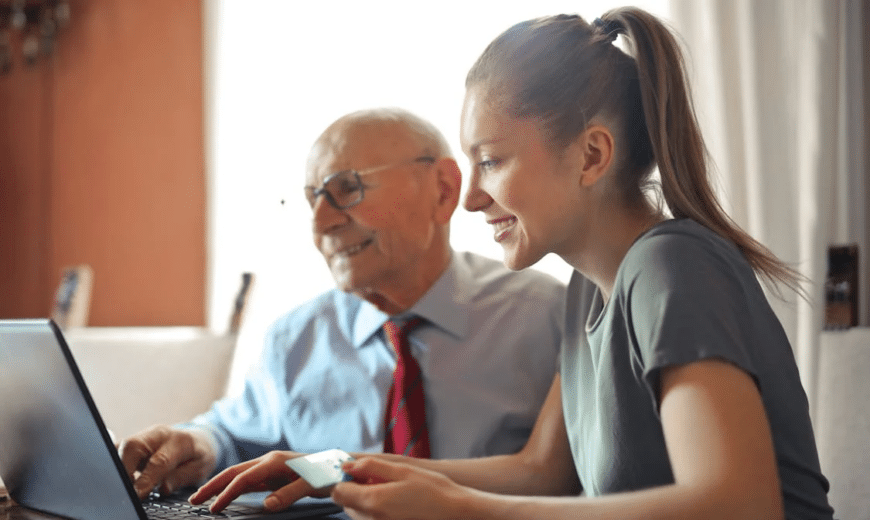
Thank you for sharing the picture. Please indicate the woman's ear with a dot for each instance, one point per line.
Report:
(449, 184)
(596, 153)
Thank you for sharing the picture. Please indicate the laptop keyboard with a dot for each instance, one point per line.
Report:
(170, 508)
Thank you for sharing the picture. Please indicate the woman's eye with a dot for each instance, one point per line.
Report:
(487, 164)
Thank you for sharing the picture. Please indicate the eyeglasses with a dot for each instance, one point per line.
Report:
(345, 189)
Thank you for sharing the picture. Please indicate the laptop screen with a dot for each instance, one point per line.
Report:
(55, 454)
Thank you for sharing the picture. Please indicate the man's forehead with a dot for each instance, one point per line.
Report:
(359, 145)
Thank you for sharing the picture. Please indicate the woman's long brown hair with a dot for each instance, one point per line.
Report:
(566, 71)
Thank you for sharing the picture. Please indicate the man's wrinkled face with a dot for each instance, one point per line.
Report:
(381, 240)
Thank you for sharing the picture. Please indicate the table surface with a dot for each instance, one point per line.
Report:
(9, 511)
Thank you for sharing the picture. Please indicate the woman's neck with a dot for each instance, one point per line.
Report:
(610, 238)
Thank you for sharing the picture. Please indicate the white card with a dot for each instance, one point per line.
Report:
(321, 469)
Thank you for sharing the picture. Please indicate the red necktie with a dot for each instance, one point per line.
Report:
(406, 432)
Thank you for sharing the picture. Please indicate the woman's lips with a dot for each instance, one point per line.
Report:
(502, 227)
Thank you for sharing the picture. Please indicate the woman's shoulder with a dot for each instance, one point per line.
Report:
(682, 252)
(683, 233)
(678, 242)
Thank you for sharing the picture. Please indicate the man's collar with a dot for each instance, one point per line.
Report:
(368, 321)
(443, 305)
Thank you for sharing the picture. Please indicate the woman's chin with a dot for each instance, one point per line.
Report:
(519, 260)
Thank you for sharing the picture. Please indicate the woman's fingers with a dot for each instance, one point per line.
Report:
(385, 490)
(219, 482)
(374, 483)
(270, 472)
(369, 470)
(283, 497)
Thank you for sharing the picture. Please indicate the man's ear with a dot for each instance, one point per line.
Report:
(449, 184)
(596, 153)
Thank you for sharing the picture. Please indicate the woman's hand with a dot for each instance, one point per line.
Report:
(267, 473)
(384, 490)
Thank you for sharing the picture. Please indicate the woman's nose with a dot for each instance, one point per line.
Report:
(475, 198)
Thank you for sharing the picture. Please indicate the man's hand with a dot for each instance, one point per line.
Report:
(167, 458)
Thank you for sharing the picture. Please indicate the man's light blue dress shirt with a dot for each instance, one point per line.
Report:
(488, 353)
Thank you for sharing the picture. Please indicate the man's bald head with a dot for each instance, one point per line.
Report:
(396, 122)
(382, 187)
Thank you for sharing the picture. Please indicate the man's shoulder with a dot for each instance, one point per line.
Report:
(515, 308)
(491, 275)
(333, 305)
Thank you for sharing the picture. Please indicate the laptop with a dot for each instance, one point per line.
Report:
(56, 455)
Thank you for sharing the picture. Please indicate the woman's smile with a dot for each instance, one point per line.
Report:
(502, 226)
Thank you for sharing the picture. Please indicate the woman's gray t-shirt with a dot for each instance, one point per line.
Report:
(682, 294)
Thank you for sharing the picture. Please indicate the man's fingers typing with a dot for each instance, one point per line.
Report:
(184, 475)
(156, 453)
(134, 454)
(136, 450)
(160, 464)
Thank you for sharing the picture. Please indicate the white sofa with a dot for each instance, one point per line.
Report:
(139, 376)
(842, 421)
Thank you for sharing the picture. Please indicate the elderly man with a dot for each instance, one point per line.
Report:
(382, 187)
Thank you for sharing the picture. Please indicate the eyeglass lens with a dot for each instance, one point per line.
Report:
(342, 190)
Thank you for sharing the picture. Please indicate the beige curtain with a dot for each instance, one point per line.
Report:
(779, 92)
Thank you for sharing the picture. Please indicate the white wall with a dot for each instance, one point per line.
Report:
(277, 73)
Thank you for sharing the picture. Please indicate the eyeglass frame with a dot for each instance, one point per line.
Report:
(312, 193)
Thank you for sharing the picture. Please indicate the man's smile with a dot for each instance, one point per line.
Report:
(354, 249)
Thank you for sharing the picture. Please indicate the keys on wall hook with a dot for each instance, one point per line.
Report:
(62, 13)
(18, 18)
(5, 52)
(47, 30)
(30, 47)
(31, 28)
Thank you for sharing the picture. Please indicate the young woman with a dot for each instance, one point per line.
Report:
(678, 395)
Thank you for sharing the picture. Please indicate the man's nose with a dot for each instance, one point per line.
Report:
(325, 217)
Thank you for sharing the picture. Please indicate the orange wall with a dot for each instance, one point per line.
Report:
(101, 162)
